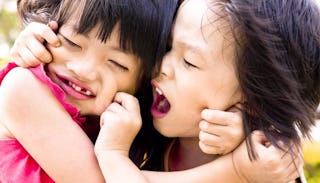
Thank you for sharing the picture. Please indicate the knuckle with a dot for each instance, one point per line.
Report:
(41, 53)
(203, 125)
(206, 149)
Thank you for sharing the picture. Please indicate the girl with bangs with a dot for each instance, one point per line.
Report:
(107, 47)
(125, 108)
(262, 53)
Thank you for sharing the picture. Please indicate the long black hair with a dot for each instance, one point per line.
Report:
(278, 65)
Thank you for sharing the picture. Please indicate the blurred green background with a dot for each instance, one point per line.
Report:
(10, 28)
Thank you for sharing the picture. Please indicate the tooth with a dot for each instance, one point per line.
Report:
(158, 91)
(88, 93)
(77, 88)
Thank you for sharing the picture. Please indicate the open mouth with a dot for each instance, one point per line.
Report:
(74, 89)
(78, 88)
(161, 105)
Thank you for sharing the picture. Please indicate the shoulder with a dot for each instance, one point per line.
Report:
(18, 83)
(21, 90)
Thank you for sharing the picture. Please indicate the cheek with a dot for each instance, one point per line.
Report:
(129, 86)
(224, 95)
(133, 83)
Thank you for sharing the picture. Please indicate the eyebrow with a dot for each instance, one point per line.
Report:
(194, 48)
(73, 29)
(118, 49)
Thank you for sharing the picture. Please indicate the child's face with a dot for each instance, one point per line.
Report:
(198, 72)
(90, 71)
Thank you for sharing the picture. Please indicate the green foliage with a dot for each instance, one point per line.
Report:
(9, 26)
(312, 173)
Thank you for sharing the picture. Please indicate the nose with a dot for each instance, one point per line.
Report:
(84, 69)
(166, 69)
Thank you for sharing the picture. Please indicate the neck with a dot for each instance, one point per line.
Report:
(186, 153)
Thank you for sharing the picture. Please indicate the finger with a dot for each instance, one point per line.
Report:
(209, 149)
(129, 102)
(211, 128)
(28, 58)
(209, 139)
(221, 131)
(112, 109)
(221, 117)
(43, 32)
(18, 60)
(53, 25)
(115, 108)
(39, 51)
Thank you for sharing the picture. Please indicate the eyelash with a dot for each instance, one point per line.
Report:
(70, 43)
(188, 64)
(121, 67)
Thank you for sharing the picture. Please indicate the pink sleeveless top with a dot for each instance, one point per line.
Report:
(16, 165)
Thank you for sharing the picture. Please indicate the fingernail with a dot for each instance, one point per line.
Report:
(58, 44)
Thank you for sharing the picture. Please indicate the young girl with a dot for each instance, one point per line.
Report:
(195, 174)
(106, 47)
(263, 53)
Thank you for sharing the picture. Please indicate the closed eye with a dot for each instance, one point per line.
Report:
(188, 64)
(69, 42)
(118, 65)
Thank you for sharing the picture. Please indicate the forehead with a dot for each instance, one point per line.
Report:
(202, 25)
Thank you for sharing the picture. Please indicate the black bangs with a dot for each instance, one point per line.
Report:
(143, 25)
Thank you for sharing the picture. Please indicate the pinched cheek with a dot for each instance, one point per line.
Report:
(131, 89)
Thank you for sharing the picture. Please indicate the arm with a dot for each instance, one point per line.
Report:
(273, 165)
(45, 129)
(118, 132)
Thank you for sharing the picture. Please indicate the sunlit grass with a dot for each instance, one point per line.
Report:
(311, 152)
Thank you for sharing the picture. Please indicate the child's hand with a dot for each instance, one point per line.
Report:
(220, 132)
(120, 123)
(29, 49)
(273, 165)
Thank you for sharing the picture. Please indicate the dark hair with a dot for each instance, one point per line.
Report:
(144, 26)
(278, 65)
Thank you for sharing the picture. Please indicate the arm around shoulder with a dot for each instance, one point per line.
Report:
(37, 120)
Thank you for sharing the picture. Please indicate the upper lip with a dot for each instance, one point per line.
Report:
(156, 87)
(76, 82)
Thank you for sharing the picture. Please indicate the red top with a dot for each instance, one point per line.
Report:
(16, 165)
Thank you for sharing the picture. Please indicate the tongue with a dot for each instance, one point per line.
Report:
(163, 106)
